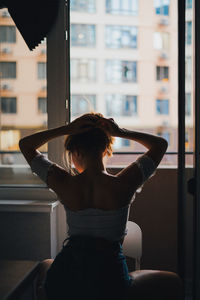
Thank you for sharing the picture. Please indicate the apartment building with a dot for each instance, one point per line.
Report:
(123, 64)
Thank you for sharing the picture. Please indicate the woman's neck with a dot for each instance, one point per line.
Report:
(93, 166)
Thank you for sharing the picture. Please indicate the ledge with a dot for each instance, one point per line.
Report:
(28, 206)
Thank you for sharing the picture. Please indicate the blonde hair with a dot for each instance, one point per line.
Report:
(93, 142)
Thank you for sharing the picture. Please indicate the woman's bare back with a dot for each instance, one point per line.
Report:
(95, 190)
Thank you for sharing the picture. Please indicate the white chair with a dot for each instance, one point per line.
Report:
(132, 245)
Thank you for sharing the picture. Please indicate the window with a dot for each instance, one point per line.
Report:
(122, 7)
(162, 73)
(188, 3)
(188, 104)
(7, 34)
(42, 105)
(121, 71)
(83, 35)
(162, 107)
(121, 143)
(121, 105)
(82, 104)
(83, 5)
(9, 140)
(187, 140)
(165, 135)
(189, 33)
(8, 69)
(8, 105)
(188, 68)
(41, 70)
(161, 41)
(83, 70)
(121, 36)
(162, 7)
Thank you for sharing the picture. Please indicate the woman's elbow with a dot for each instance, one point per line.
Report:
(23, 144)
(163, 144)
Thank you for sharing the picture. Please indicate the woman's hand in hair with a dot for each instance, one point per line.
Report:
(110, 126)
(80, 125)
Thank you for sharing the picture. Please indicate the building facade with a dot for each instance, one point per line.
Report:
(124, 64)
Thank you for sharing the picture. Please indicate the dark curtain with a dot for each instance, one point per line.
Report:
(33, 18)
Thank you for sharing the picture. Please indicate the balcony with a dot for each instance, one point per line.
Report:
(155, 210)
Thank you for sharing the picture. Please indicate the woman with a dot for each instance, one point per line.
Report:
(91, 264)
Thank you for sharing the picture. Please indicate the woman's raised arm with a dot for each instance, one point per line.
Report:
(29, 144)
(156, 145)
(137, 172)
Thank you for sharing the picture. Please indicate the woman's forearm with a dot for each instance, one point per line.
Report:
(156, 145)
(146, 139)
(38, 139)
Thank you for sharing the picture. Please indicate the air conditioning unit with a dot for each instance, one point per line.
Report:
(165, 123)
(43, 88)
(6, 87)
(5, 14)
(6, 50)
(43, 51)
(163, 55)
(164, 22)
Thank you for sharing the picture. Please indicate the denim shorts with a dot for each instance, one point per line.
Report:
(88, 269)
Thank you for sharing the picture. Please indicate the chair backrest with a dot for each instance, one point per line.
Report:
(132, 245)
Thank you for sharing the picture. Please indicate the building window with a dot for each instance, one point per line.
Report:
(9, 140)
(162, 73)
(189, 33)
(188, 3)
(121, 143)
(121, 71)
(122, 7)
(83, 70)
(83, 5)
(82, 104)
(41, 70)
(8, 105)
(161, 41)
(162, 107)
(165, 135)
(162, 7)
(188, 68)
(83, 35)
(7, 34)
(121, 105)
(188, 104)
(42, 105)
(8, 69)
(121, 36)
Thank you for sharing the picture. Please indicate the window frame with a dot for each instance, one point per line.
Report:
(8, 34)
(109, 33)
(120, 9)
(9, 104)
(161, 7)
(86, 10)
(89, 30)
(162, 104)
(15, 69)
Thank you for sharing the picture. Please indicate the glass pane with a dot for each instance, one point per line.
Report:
(22, 100)
(132, 68)
(189, 116)
(87, 6)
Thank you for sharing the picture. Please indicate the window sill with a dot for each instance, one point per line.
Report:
(28, 206)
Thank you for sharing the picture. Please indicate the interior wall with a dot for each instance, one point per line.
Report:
(155, 210)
